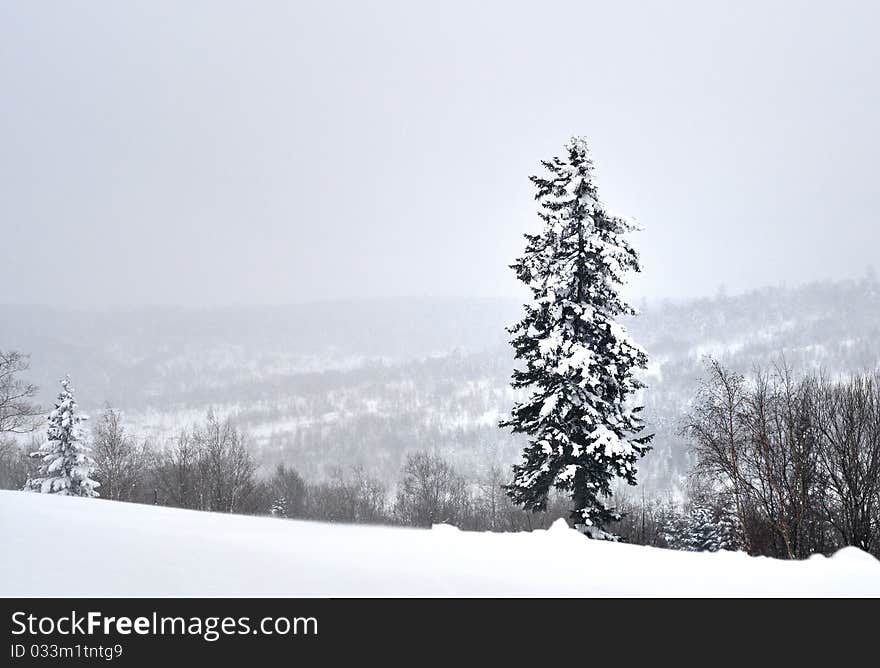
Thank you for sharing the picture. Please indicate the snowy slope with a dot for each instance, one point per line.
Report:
(118, 549)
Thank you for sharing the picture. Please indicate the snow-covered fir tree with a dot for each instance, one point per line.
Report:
(705, 527)
(579, 362)
(66, 467)
(279, 507)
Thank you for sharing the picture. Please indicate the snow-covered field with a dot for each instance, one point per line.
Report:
(87, 547)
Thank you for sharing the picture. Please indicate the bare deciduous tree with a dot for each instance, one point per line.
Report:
(801, 457)
(18, 412)
(208, 468)
(847, 424)
(121, 461)
(718, 434)
(431, 492)
(16, 465)
(226, 467)
(177, 474)
(348, 496)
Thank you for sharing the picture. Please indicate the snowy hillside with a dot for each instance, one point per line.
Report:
(118, 549)
(366, 382)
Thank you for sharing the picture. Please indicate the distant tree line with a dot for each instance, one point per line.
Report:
(787, 466)
(209, 467)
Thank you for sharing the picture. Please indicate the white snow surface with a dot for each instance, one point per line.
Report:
(119, 549)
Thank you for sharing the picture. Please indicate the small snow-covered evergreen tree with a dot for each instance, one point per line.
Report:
(66, 467)
(705, 527)
(579, 362)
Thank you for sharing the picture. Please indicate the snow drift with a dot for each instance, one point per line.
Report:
(64, 546)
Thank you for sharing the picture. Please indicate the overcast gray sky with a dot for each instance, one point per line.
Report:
(266, 152)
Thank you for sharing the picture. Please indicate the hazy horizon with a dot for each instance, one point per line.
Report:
(221, 154)
(643, 301)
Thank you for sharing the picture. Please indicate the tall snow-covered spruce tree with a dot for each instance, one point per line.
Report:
(577, 362)
(66, 467)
